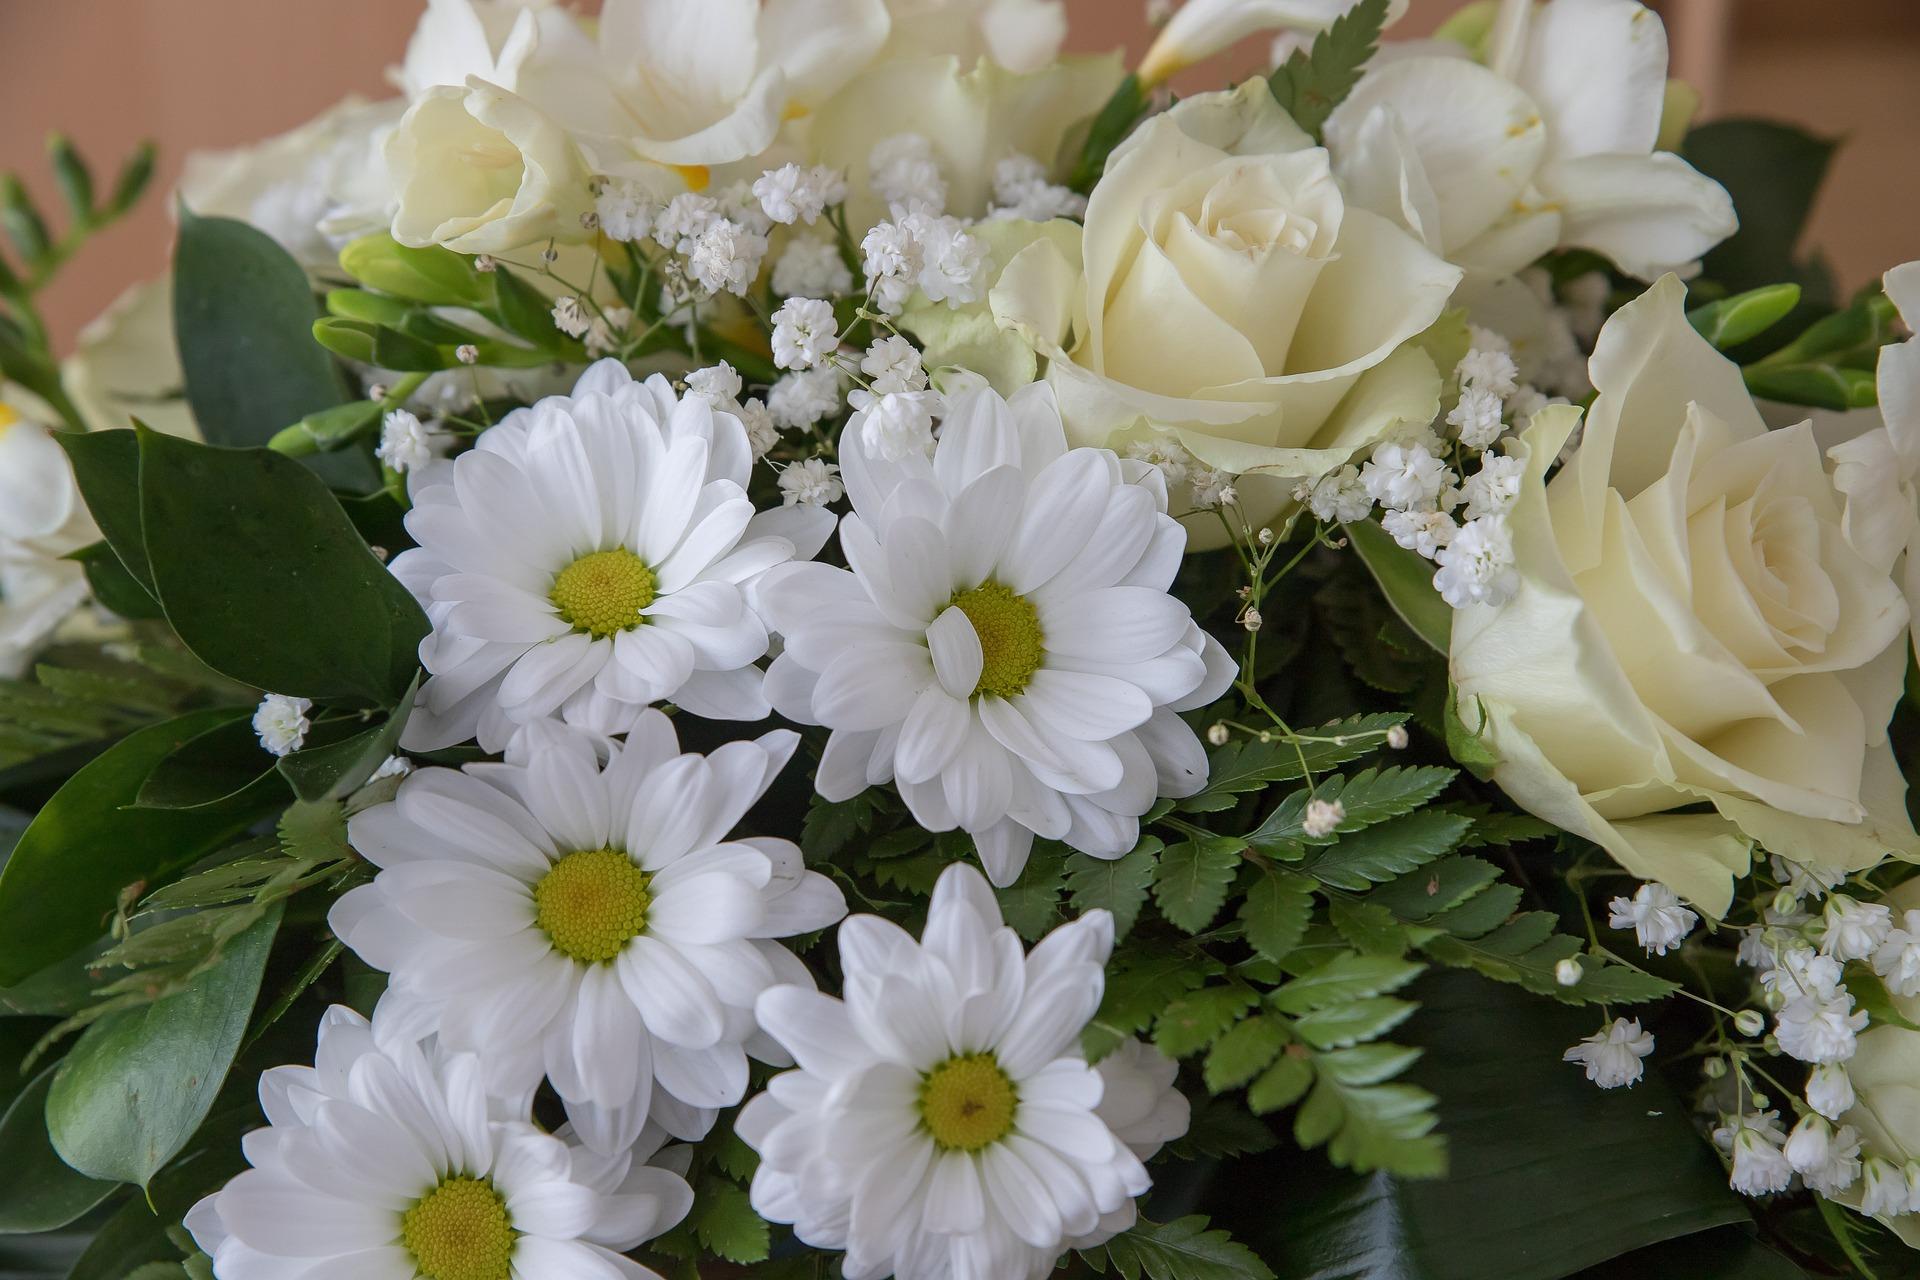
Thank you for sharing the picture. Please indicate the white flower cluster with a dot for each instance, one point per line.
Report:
(723, 239)
(1022, 189)
(919, 246)
(1206, 487)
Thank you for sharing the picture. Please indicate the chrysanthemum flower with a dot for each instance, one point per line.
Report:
(1005, 648)
(387, 1160)
(590, 555)
(593, 925)
(943, 1124)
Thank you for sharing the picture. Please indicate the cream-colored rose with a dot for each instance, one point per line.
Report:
(42, 519)
(1224, 292)
(1693, 630)
(482, 170)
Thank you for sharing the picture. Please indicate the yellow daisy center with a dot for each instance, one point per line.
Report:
(967, 1103)
(591, 904)
(460, 1231)
(1011, 644)
(604, 592)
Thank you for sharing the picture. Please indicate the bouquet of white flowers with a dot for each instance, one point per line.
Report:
(802, 638)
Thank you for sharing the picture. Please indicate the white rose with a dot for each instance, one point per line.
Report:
(1201, 28)
(1224, 292)
(1692, 626)
(1549, 146)
(42, 519)
(482, 170)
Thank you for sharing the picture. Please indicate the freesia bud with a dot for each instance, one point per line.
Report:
(1202, 28)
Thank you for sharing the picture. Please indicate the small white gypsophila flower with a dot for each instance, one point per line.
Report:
(719, 385)
(1897, 958)
(1397, 738)
(392, 767)
(1218, 734)
(1494, 488)
(1210, 487)
(1568, 972)
(608, 328)
(793, 194)
(1830, 1090)
(1799, 970)
(813, 482)
(1488, 370)
(810, 267)
(738, 203)
(903, 172)
(1405, 475)
(1612, 1055)
(1476, 418)
(1806, 879)
(1854, 929)
(1339, 497)
(805, 333)
(890, 260)
(801, 399)
(1022, 189)
(604, 933)
(1422, 531)
(1759, 1165)
(282, 723)
(1164, 454)
(892, 364)
(1656, 916)
(953, 261)
(569, 317)
(626, 209)
(1322, 818)
(386, 1158)
(406, 444)
(942, 1121)
(1827, 1158)
(467, 353)
(1477, 566)
(1885, 1194)
(726, 257)
(1816, 1028)
(895, 426)
(1481, 338)
(762, 434)
(677, 226)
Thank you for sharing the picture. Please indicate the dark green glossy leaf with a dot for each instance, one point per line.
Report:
(266, 580)
(139, 1082)
(86, 846)
(1732, 321)
(106, 466)
(209, 769)
(112, 586)
(334, 770)
(38, 1190)
(1406, 579)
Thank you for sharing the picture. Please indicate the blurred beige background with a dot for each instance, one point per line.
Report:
(218, 73)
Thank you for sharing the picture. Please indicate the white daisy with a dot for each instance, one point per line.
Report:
(943, 1124)
(590, 924)
(387, 1161)
(592, 554)
(1005, 648)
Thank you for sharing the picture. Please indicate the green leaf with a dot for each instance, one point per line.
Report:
(87, 845)
(1371, 928)
(1370, 796)
(1031, 904)
(1464, 743)
(334, 771)
(433, 275)
(1773, 172)
(1190, 883)
(106, 466)
(1437, 887)
(112, 585)
(1117, 884)
(831, 825)
(1525, 951)
(1110, 127)
(1275, 913)
(1316, 80)
(265, 578)
(1817, 384)
(38, 1190)
(75, 179)
(1871, 994)
(524, 311)
(724, 1221)
(1243, 1052)
(1252, 765)
(1196, 1020)
(1406, 579)
(1368, 1127)
(211, 768)
(1388, 849)
(1732, 321)
(1348, 976)
(1283, 1084)
(138, 1233)
(1141, 984)
(1343, 1025)
(244, 314)
(1180, 1250)
(139, 1082)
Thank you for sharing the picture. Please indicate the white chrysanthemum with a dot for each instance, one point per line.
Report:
(1656, 916)
(387, 1160)
(589, 924)
(1005, 648)
(281, 723)
(591, 555)
(1612, 1054)
(943, 1124)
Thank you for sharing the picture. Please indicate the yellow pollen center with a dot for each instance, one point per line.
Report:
(967, 1103)
(1011, 645)
(604, 592)
(460, 1231)
(592, 904)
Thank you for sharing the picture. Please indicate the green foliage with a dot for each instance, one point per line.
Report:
(1405, 579)
(1251, 764)
(38, 1190)
(1745, 316)
(725, 1224)
(1128, 105)
(1118, 885)
(1276, 912)
(1525, 951)
(1369, 796)
(76, 707)
(1190, 883)
(1386, 850)
(1316, 80)
(1184, 1249)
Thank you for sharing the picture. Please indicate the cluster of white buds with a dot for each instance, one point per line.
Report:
(1022, 189)
(1206, 487)
(918, 245)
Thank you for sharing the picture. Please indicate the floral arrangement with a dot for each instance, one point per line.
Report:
(806, 638)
